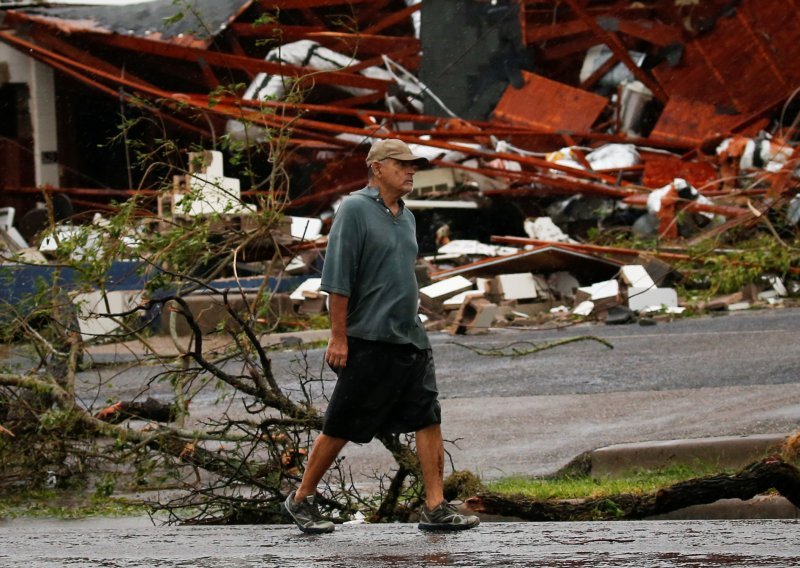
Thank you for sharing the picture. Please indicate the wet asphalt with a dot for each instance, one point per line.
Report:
(746, 544)
(722, 375)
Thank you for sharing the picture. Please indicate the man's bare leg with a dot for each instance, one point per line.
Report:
(430, 451)
(323, 454)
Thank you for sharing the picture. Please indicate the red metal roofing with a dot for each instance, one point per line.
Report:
(690, 122)
(748, 58)
(661, 170)
(549, 105)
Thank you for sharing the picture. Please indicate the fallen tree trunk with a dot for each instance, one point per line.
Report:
(758, 477)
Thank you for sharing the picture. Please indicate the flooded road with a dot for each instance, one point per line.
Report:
(750, 544)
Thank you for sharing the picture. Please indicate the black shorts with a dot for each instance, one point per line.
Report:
(384, 388)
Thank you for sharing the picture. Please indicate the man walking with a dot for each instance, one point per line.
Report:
(378, 347)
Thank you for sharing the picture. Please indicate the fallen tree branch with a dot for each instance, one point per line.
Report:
(756, 478)
(511, 350)
(151, 409)
(176, 443)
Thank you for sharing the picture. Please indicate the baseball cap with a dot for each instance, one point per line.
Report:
(393, 148)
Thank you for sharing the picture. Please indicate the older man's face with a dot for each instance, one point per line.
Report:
(396, 175)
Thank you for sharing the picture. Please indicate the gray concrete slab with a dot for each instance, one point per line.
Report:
(748, 544)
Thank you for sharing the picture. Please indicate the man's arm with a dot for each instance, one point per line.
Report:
(336, 355)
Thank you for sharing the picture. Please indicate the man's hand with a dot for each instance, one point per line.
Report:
(336, 355)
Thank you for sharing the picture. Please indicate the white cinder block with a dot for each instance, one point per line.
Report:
(520, 286)
(310, 285)
(446, 288)
(601, 290)
(542, 288)
(767, 295)
(777, 285)
(584, 308)
(636, 275)
(96, 309)
(644, 298)
(459, 298)
(306, 228)
(209, 191)
(484, 316)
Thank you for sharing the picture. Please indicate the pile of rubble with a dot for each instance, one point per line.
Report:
(675, 121)
(498, 286)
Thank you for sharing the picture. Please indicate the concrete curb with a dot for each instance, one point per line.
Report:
(725, 452)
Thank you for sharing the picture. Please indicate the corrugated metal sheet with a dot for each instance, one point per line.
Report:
(549, 106)
(748, 60)
(660, 170)
(749, 57)
(690, 122)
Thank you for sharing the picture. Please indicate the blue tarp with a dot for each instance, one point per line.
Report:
(20, 281)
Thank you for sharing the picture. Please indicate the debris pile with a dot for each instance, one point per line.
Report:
(670, 121)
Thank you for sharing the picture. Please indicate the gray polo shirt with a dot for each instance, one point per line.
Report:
(370, 259)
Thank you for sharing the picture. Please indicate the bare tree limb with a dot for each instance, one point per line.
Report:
(511, 350)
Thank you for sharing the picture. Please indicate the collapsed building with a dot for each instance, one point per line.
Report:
(671, 119)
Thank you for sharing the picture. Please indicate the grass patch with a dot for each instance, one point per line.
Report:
(586, 487)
